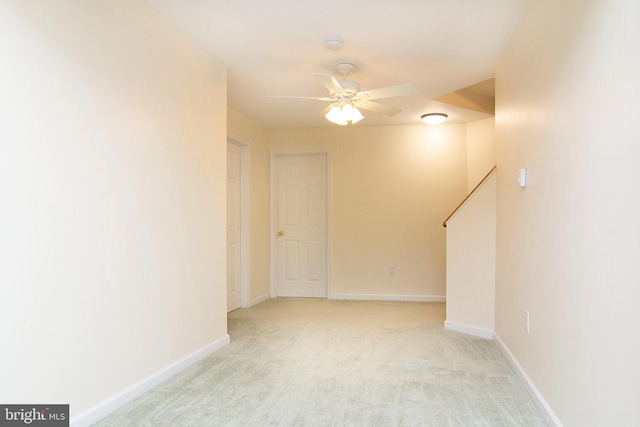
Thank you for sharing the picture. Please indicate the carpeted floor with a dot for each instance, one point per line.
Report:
(318, 362)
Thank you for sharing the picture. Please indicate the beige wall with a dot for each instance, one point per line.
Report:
(391, 188)
(471, 261)
(481, 150)
(112, 179)
(568, 245)
(244, 130)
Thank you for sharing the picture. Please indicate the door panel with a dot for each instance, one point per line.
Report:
(314, 256)
(302, 218)
(292, 250)
(233, 226)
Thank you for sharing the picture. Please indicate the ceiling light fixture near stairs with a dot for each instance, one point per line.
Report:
(434, 118)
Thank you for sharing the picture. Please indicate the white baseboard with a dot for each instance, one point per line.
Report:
(259, 300)
(533, 391)
(469, 330)
(101, 410)
(378, 297)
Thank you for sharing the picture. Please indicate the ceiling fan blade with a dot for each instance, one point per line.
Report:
(329, 82)
(317, 98)
(378, 108)
(389, 92)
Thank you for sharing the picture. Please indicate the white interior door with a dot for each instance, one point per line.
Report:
(233, 226)
(301, 225)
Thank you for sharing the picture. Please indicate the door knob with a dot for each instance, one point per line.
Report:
(280, 233)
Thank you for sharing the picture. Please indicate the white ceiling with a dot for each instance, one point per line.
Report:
(273, 47)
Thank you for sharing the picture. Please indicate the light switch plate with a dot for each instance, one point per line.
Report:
(522, 178)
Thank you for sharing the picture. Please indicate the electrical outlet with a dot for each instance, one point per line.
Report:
(527, 321)
(392, 270)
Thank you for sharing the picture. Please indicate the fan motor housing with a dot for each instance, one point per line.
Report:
(350, 87)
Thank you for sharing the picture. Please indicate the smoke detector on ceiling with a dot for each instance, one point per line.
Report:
(333, 43)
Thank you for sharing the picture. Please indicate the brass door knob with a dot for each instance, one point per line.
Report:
(280, 233)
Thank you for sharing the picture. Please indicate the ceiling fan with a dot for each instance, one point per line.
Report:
(346, 97)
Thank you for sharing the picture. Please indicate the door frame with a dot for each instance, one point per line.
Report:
(244, 222)
(274, 214)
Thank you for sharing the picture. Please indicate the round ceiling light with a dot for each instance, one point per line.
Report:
(434, 118)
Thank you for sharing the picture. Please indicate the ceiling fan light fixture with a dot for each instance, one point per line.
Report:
(356, 116)
(434, 118)
(335, 116)
(343, 114)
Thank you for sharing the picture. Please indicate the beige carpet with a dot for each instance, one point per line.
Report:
(317, 362)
